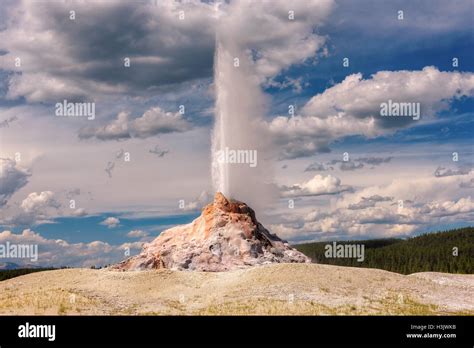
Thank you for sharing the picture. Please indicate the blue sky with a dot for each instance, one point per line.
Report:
(172, 65)
(89, 229)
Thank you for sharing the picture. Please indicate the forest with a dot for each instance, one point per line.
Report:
(447, 251)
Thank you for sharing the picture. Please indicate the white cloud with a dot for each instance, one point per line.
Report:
(463, 205)
(419, 189)
(352, 107)
(156, 121)
(274, 41)
(316, 186)
(300, 136)
(36, 208)
(374, 211)
(115, 130)
(153, 122)
(38, 201)
(111, 222)
(137, 234)
(361, 98)
(58, 253)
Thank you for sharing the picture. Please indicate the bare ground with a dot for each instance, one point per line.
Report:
(277, 289)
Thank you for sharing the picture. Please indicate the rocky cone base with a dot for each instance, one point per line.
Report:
(226, 236)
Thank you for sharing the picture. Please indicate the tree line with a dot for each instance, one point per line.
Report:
(449, 251)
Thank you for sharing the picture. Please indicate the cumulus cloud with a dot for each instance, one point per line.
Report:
(63, 59)
(111, 222)
(156, 121)
(352, 107)
(38, 201)
(361, 98)
(301, 136)
(316, 186)
(58, 253)
(272, 39)
(400, 208)
(368, 202)
(36, 208)
(370, 220)
(115, 130)
(448, 208)
(420, 189)
(137, 234)
(153, 122)
(12, 178)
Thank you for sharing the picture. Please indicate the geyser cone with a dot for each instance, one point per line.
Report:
(226, 236)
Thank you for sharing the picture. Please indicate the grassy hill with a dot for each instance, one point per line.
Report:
(432, 252)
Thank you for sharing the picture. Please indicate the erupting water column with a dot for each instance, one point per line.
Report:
(240, 106)
(220, 170)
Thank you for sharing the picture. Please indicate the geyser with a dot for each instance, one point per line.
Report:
(239, 110)
(226, 236)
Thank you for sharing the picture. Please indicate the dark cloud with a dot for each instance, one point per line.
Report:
(6, 123)
(86, 55)
(442, 172)
(317, 167)
(358, 163)
(110, 167)
(369, 202)
(349, 165)
(374, 160)
(12, 178)
(157, 151)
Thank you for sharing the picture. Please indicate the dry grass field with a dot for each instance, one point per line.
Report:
(277, 289)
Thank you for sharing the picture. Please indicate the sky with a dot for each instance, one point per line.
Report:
(90, 191)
